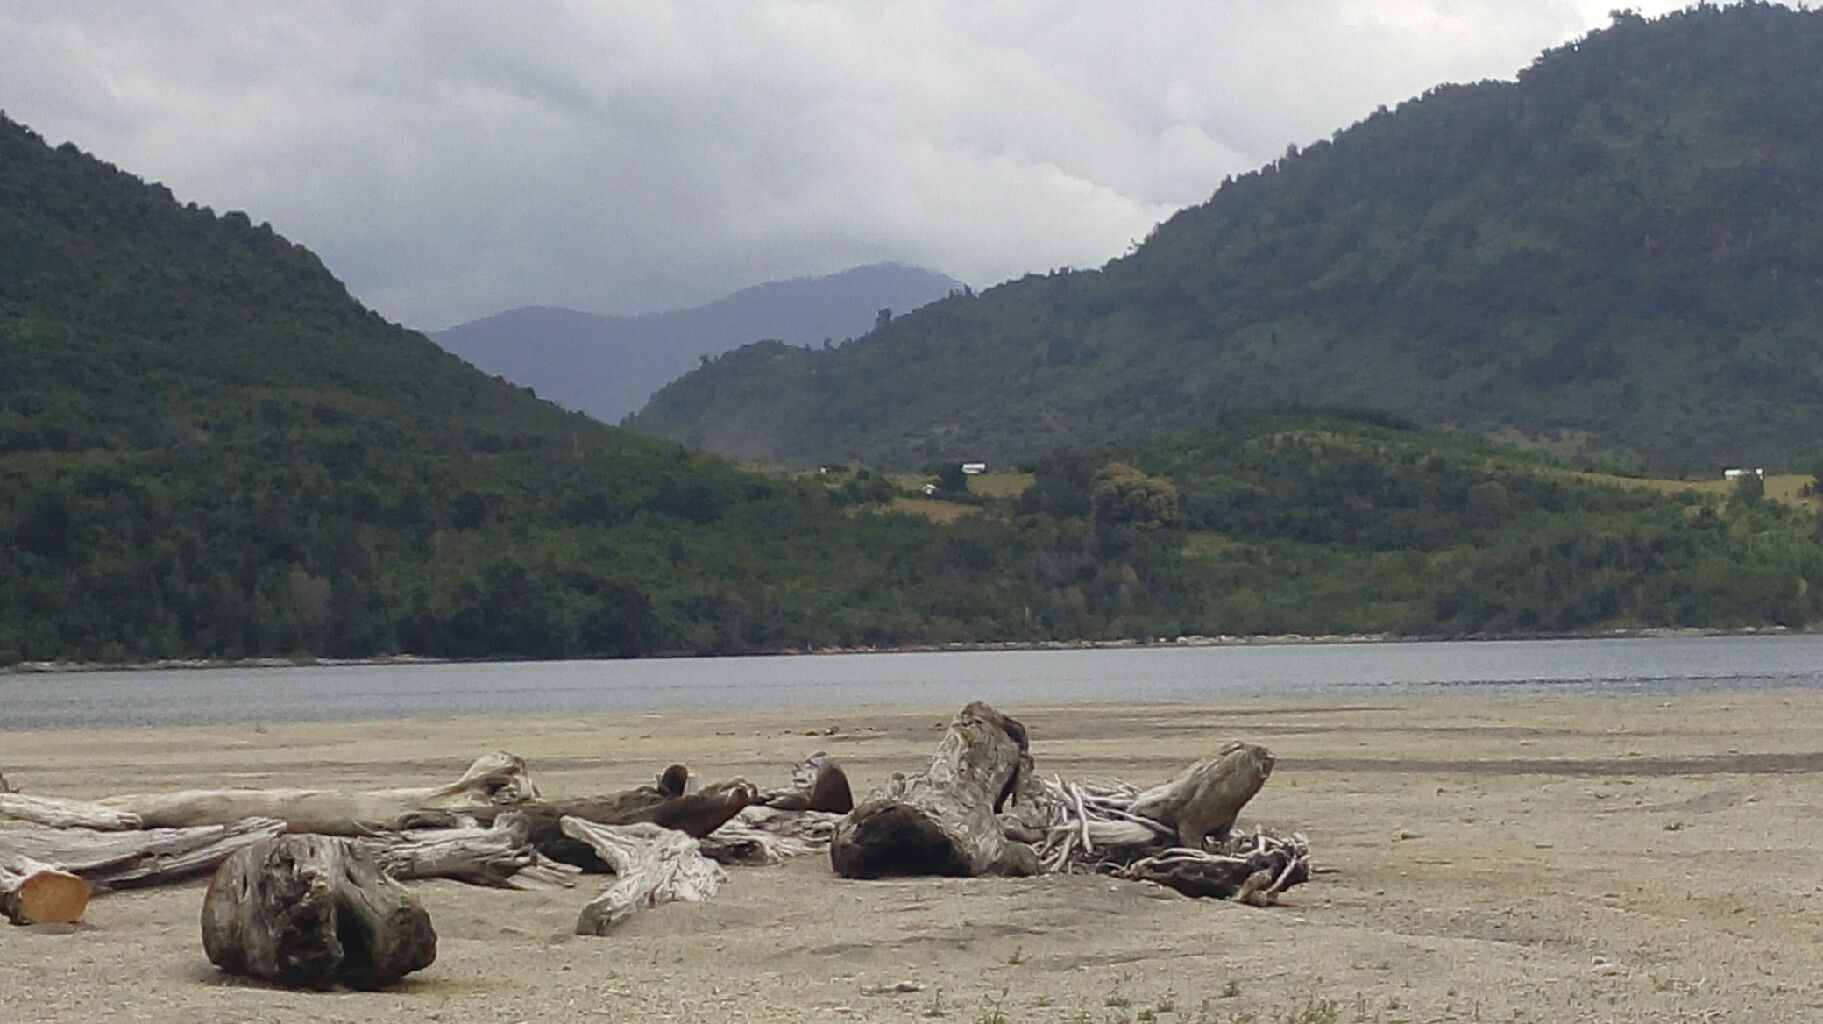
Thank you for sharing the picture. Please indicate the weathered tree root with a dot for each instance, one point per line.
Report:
(1254, 869)
(314, 912)
(654, 865)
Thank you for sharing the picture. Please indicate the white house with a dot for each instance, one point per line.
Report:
(974, 468)
(1736, 474)
(930, 489)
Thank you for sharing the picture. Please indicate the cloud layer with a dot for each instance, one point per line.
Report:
(451, 160)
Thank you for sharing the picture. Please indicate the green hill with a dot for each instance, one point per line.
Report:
(208, 449)
(1620, 253)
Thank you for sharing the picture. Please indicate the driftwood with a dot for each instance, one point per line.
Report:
(124, 860)
(1179, 834)
(1112, 822)
(1254, 869)
(818, 783)
(654, 865)
(493, 783)
(693, 814)
(33, 892)
(500, 855)
(767, 835)
(55, 812)
(309, 911)
(942, 821)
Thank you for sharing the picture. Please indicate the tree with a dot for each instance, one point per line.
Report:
(1122, 495)
(1749, 492)
(951, 478)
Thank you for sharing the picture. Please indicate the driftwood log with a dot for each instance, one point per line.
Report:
(943, 820)
(124, 860)
(33, 892)
(500, 855)
(306, 911)
(762, 835)
(653, 865)
(493, 783)
(693, 814)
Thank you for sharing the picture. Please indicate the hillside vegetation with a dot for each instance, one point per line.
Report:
(208, 449)
(1620, 253)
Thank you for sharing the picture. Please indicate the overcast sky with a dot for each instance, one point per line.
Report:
(454, 159)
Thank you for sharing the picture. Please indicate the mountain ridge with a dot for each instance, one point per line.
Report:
(609, 365)
(1617, 253)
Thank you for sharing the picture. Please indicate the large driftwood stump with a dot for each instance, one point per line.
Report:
(314, 912)
(654, 865)
(33, 892)
(942, 821)
(493, 783)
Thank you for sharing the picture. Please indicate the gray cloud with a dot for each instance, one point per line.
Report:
(449, 160)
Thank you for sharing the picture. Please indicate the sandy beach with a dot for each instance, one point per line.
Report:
(1537, 859)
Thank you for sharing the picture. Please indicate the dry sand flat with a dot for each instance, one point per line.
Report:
(1544, 859)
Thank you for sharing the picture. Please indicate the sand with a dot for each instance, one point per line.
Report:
(1536, 859)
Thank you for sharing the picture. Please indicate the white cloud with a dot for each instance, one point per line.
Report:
(450, 160)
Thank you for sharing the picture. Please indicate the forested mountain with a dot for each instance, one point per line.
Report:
(209, 449)
(1619, 253)
(608, 366)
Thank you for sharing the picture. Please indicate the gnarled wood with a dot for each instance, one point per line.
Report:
(493, 783)
(654, 865)
(1254, 869)
(308, 911)
(942, 821)
(768, 835)
(32, 892)
(818, 783)
(695, 814)
(491, 855)
(122, 860)
(1204, 800)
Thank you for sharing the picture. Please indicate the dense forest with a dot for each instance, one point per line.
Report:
(1619, 254)
(209, 449)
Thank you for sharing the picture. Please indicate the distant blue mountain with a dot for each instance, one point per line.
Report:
(607, 366)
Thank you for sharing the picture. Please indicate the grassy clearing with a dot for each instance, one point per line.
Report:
(931, 509)
(1787, 488)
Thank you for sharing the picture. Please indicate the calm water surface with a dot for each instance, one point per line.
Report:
(1321, 671)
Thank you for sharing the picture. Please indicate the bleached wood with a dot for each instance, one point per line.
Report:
(654, 865)
(309, 911)
(1204, 800)
(490, 855)
(943, 820)
(693, 813)
(768, 835)
(32, 892)
(120, 860)
(56, 812)
(493, 782)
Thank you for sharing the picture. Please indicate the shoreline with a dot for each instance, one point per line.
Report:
(1273, 640)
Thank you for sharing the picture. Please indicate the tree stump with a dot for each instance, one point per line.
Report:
(942, 821)
(307, 911)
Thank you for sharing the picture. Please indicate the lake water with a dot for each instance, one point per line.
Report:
(1338, 672)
